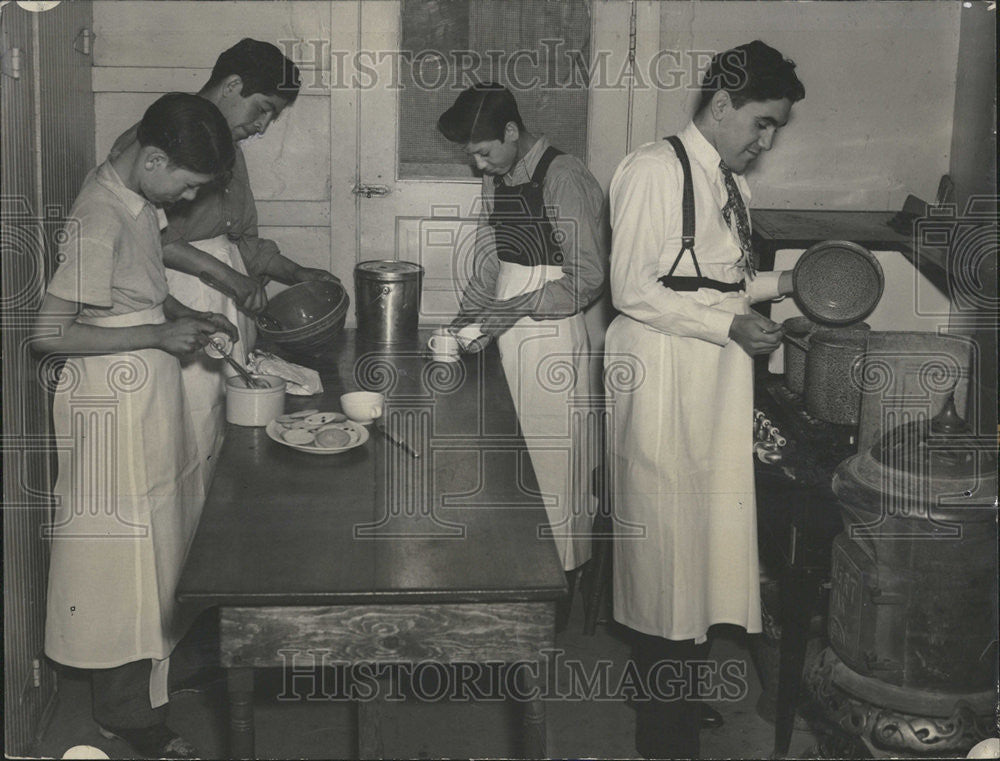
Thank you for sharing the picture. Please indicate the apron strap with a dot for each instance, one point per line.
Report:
(542, 167)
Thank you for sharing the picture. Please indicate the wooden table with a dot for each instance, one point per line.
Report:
(373, 557)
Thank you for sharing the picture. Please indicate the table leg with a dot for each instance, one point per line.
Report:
(240, 688)
(370, 714)
(799, 592)
(535, 745)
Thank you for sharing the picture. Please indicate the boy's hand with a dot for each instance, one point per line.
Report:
(304, 274)
(222, 324)
(184, 335)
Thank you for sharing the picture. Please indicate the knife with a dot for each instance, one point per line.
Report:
(380, 427)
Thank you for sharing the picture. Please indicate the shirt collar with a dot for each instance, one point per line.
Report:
(110, 179)
(525, 167)
(702, 151)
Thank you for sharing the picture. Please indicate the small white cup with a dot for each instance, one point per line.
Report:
(362, 406)
(444, 345)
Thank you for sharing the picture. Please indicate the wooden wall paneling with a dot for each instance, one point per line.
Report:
(345, 132)
(146, 49)
(66, 108)
(30, 180)
(193, 33)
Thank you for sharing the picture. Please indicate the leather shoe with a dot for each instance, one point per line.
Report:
(710, 718)
(157, 741)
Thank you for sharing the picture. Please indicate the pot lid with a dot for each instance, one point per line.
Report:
(837, 282)
(388, 270)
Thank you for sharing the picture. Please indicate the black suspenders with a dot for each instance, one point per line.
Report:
(679, 283)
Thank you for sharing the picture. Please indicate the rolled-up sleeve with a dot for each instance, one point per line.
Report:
(484, 269)
(646, 197)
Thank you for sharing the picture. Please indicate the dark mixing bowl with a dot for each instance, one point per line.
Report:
(305, 318)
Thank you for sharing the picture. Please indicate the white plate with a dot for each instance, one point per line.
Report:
(359, 436)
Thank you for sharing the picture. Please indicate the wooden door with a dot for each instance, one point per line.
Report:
(417, 195)
(47, 145)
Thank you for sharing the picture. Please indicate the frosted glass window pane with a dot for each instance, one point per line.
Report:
(540, 49)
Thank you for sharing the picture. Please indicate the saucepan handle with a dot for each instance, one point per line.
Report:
(800, 342)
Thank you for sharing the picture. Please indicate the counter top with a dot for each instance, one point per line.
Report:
(372, 524)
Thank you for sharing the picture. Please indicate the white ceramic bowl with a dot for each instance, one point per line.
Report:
(254, 406)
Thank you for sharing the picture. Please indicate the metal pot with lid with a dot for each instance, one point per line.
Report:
(387, 299)
(836, 283)
(832, 370)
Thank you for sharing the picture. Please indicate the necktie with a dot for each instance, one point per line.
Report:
(735, 213)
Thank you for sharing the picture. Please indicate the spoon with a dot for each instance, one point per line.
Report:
(246, 377)
(268, 322)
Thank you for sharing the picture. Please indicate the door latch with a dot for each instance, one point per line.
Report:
(371, 191)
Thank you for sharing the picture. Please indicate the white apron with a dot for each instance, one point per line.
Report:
(546, 363)
(680, 447)
(205, 377)
(128, 499)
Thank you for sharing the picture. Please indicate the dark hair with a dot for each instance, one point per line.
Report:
(191, 131)
(480, 113)
(751, 72)
(262, 67)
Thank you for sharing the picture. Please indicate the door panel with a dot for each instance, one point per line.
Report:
(415, 210)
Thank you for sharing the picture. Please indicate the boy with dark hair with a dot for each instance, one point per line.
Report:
(261, 67)
(680, 442)
(540, 259)
(128, 493)
(216, 234)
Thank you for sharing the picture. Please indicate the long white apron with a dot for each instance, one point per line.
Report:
(128, 499)
(205, 377)
(546, 363)
(685, 550)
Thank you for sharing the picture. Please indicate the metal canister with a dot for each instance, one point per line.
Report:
(833, 391)
(387, 300)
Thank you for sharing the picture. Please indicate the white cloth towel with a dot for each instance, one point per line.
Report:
(302, 381)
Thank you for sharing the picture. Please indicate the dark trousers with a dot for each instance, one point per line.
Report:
(120, 696)
(667, 725)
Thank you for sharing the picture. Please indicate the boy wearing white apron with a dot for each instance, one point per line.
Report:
(540, 260)
(680, 449)
(252, 83)
(129, 489)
